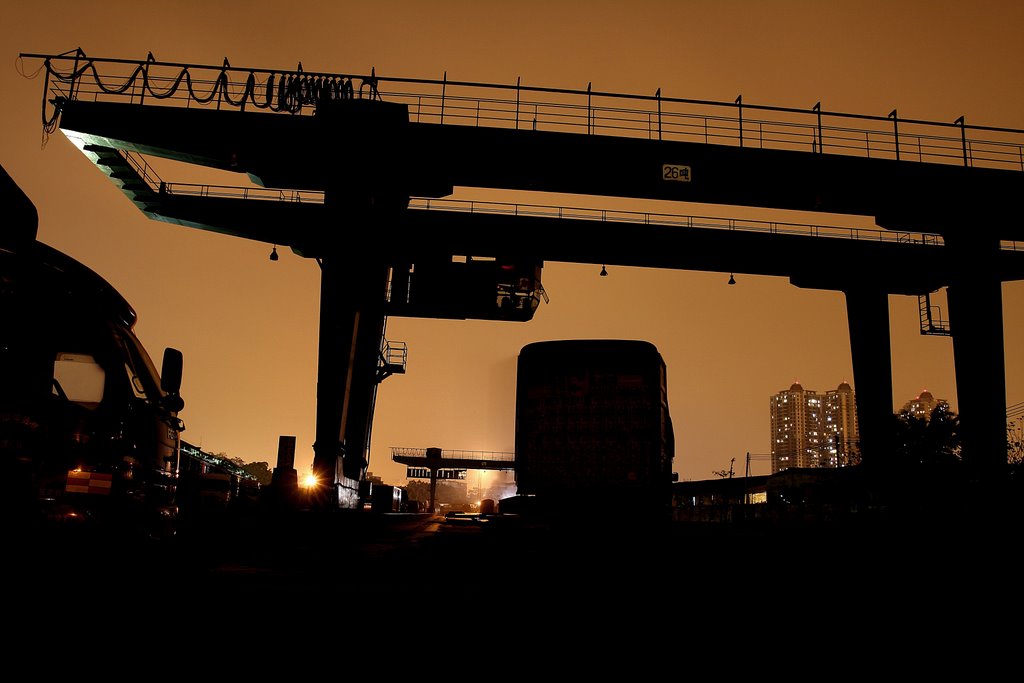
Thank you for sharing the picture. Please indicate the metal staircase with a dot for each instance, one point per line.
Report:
(932, 322)
(130, 172)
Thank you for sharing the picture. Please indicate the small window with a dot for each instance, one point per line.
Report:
(79, 377)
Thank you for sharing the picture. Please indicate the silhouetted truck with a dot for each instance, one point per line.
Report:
(89, 431)
(592, 426)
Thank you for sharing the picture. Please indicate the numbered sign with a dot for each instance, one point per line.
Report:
(675, 172)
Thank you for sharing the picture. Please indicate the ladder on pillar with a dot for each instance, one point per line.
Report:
(390, 361)
(932, 322)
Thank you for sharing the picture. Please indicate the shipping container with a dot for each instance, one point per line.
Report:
(593, 426)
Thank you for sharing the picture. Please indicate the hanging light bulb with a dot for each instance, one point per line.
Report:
(273, 254)
(732, 280)
(604, 271)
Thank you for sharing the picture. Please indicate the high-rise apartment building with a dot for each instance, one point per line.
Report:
(923, 405)
(842, 436)
(796, 428)
(814, 430)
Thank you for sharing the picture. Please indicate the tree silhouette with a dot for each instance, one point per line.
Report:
(260, 470)
(926, 445)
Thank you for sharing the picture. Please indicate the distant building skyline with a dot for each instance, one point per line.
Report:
(814, 430)
(923, 405)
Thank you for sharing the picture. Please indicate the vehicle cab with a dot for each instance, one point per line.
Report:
(89, 433)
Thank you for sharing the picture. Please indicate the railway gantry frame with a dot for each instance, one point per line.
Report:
(664, 148)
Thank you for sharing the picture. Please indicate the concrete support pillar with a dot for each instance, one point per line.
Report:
(868, 315)
(351, 327)
(976, 321)
(284, 485)
(434, 463)
(362, 139)
(433, 490)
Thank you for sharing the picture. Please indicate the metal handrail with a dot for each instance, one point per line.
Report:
(142, 167)
(677, 220)
(74, 75)
(395, 353)
(581, 213)
(572, 213)
(497, 456)
(233, 192)
(588, 214)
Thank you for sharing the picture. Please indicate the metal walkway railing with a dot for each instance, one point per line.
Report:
(455, 455)
(581, 213)
(561, 212)
(589, 214)
(671, 220)
(75, 76)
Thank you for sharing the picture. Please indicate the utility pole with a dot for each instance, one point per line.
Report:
(746, 476)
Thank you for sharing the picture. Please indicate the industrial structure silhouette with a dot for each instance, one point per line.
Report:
(352, 170)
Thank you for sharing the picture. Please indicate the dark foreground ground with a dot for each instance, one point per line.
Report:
(403, 590)
(371, 561)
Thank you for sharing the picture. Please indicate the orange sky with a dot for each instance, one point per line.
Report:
(248, 327)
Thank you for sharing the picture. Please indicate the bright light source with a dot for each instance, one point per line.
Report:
(310, 481)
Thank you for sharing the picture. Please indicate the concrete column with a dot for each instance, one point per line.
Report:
(868, 314)
(362, 141)
(976, 321)
(351, 325)
(434, 463)
(433, 490)
(284, 484)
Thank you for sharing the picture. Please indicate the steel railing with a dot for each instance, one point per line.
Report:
(229, 192)
(587, 214)
(672, 220)
(149, 175)
(75, 76)
(495, 456)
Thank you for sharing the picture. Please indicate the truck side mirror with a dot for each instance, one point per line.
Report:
(170, 372)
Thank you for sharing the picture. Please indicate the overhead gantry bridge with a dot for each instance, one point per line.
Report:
(435, 463)
(334, 162)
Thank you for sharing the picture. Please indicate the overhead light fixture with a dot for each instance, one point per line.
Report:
(732, 280)
(604, 271)
(273, 254)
